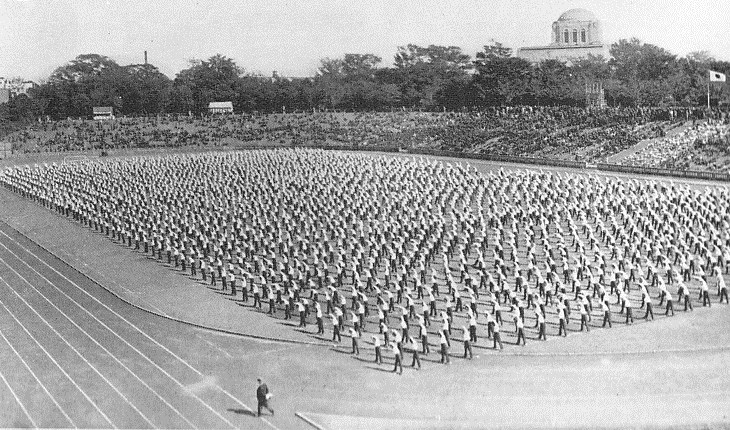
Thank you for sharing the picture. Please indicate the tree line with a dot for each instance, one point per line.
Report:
(430, 78)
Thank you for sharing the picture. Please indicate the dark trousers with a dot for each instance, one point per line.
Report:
(649, 311)
(467, 349)
(398, 364)
(265, 404)
(584, 322)
(445, 354)
(706, 298)
(521, 335)
(498, 340)
(688, 303)
(416, 359)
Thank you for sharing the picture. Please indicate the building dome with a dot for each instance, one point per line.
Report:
(577, 15)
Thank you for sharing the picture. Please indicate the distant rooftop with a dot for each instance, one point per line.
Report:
(577, 14)
(220, 105)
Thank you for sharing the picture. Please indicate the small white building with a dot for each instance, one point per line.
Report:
(220, 107)
(103, 112)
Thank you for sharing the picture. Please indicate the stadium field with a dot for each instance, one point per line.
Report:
(76, 355)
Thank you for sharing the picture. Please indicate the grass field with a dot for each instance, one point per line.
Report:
(76, 356)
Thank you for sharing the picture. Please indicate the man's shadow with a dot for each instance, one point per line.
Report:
(243, 412)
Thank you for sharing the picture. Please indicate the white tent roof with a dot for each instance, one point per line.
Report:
(220, 105)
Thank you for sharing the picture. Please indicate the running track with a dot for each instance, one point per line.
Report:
(76, 356)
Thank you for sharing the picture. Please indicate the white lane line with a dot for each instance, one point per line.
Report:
(180, 384)
(18, 400)
(76, 351)
(102, 347)
(143, 333)
(309, 421)
(212, 345)
(53, 399)
(86, 396)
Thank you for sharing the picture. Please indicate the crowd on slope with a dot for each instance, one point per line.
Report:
(408, 255)
(553, 132)
(706, 144)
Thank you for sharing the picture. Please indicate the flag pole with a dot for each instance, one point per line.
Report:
(708, 92)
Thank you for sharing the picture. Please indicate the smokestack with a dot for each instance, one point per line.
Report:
(145, 57)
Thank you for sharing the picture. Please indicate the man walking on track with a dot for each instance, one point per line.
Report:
(263, 395)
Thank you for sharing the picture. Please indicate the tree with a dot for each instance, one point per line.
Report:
(501, 81)
(493, 51)
(148, 90)
(254, 93)
(360, 66)
(553, 83)
(350, 83)
(700, 57)
(83, 67)
(350, 67)
(424, 73)
(181, 99)
(22, 109)
(644, 71)
(210, 80)
(330, 67)
(449, 58)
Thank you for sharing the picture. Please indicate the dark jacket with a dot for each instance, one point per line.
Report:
(261, 393)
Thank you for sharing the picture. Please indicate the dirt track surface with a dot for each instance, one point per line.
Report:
(672, 371)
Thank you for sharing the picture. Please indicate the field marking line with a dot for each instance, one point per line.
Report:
(116, 390)
(86, 396)
(126, 321)
(17, 399)
(100, 346)
(309, 421)
(212, 345)
(53, 399)
(131, 325)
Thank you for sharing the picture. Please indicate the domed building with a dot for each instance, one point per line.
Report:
(576, 34)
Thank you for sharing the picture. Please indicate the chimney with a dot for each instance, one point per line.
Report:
(145, 57)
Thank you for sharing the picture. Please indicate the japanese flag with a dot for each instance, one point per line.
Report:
(717, 76)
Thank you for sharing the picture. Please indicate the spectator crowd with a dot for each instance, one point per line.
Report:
(566, 133)
(705, 145)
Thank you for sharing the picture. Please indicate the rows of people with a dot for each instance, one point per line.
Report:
(706, 145)
(406, 253)
(552, 132)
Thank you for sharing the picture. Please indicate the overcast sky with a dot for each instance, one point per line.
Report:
(36, 36)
